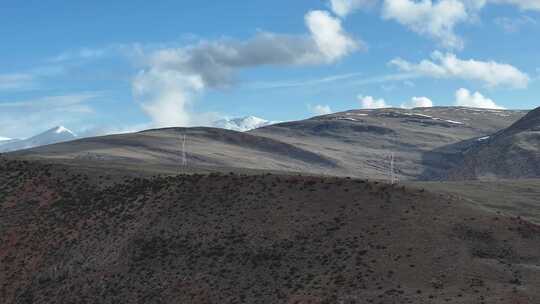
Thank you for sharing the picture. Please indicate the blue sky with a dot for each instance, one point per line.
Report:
(99, 66)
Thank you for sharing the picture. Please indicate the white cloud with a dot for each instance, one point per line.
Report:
(491, 73)
(331, 40)
(464, 98)
(320, 109)
(166, 95)
(418, 102)
(175, 76)
(436, 20)
(343, 8)
(216, 61)
(368, 102)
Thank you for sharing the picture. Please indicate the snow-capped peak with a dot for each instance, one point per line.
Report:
(52, 136)
(251, 119)
(242, 124)
(4, 138)
(61, 129)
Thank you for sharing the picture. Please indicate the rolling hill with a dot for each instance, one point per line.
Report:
(355, 143)
(159, 150)
(362, 140)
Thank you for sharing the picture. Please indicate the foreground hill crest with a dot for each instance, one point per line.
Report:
(222, 238)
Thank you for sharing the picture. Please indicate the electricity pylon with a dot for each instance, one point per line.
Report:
(392, 174)
(184, 159)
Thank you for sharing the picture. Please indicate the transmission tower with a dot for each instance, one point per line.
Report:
(184, 158)
(392, 172)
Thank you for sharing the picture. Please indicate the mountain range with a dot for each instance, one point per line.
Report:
(62, 134)
(51, 136)
(426, 144)
(272, 215)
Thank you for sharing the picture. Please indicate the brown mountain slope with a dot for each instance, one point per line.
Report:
(354, 143)
(513, 152)
(160, 150)
(362, 140)
(68, 237)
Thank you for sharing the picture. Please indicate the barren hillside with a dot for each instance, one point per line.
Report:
(71, 237)
(355, 143)
(513, 152)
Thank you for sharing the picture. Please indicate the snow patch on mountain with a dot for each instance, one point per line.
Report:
(62, 130)
(52, 136)
(242, 124)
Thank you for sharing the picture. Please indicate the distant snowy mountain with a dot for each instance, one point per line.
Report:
(52, 136)
(242, 124)
(62, 134)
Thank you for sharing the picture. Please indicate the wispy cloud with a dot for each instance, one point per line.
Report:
(532, 5)
(135, 51)
(86, 54)
(64, 102)
(23, 118)
(83, 53)
(75, 65)
(514, 25)
(16, 81)
(385, 78)
(299, 83)
(343, 79)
